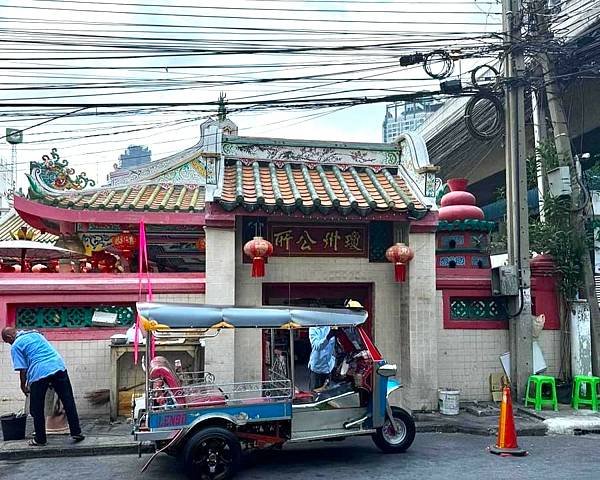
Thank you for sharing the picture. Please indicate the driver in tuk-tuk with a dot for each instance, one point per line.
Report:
(322, 355)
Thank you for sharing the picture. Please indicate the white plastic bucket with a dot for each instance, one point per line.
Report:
(449, 401)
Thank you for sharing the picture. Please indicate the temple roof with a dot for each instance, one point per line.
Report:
(11, 222)
(244, 174)
(290, 187)
(139, 197)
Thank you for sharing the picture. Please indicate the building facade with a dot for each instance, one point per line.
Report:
(403, 117)
(134, 156)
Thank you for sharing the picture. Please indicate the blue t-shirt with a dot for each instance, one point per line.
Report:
(322, 355)
(32, 352)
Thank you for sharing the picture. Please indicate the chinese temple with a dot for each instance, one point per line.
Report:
(267, 221)
(332, 214)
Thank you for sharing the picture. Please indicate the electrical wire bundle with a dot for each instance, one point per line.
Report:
(478, 120)
(121, 69)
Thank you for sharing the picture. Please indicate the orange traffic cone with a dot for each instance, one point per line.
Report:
(507, 434)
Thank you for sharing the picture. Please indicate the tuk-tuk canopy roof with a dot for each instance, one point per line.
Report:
(210, 316)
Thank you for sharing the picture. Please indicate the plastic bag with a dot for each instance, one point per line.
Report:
(131, 335)
(538, 325)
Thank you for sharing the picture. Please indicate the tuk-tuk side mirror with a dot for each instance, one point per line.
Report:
(387, 370)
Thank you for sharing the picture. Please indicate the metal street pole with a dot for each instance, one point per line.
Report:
(520, 323)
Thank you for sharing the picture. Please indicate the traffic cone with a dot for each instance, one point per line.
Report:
(506, 443)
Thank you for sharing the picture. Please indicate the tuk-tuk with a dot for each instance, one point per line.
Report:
(208, 423)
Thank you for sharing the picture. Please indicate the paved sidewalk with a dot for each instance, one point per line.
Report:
(566, 421)
(477, 419)
(101, 438)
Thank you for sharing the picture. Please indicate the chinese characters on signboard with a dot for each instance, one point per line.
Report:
(294, 240)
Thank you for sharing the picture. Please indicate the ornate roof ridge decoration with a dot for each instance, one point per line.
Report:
(291, 142)
(310, 151)
(163, 183)
(409, 154)
(54, 176)
(462, 225)
(159, 167)
(205, 151)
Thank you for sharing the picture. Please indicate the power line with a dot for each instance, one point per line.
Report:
(48, 121)
(239, 17)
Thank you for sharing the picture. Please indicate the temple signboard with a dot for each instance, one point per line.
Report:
(317, 240)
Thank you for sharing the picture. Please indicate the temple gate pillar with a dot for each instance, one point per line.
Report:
(220, 290)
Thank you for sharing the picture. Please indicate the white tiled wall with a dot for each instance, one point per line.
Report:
(466, 358)
(220, 290)
(88, 364)
(420, 337)
(180, 297)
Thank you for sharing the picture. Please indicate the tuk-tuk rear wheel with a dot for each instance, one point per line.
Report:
(213, 453)
(391, 441)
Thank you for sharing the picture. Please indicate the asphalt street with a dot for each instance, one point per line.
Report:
(432, 456)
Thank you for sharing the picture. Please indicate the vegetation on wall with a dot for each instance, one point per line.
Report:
(556, 235)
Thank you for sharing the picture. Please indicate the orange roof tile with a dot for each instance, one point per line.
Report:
(325, 188)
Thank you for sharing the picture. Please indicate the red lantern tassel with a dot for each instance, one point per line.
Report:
(400, 271)
(258, 267)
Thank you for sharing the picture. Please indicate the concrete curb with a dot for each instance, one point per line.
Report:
(125, 448)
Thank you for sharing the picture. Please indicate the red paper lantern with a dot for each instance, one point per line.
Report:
(399, 254)
(258, 249)
(201, 244)
(126, 243)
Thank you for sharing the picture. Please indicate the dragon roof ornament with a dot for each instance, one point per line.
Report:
(53, 175)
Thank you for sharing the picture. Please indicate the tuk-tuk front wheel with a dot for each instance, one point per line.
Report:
(212, 454)
(396, 439)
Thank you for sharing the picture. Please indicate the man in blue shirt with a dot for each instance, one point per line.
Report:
(41, 366)
(322, 355)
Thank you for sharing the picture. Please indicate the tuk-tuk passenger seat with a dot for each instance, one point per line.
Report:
(201, 396)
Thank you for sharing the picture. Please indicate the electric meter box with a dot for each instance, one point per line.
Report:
(559, 181)
(505, 282)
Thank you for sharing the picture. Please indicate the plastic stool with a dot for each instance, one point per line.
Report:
(591, 397)
(537, 399)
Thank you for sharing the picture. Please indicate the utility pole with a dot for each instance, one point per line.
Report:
(562, 141)
(520, 323)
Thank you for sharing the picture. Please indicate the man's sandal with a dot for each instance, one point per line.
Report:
(34, 443)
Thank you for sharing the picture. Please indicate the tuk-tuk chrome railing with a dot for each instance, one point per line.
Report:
(209, 395)
(196, 378)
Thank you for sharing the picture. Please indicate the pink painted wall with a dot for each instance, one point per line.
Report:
(71, 289)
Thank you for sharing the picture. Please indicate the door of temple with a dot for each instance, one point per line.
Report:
(316, 294)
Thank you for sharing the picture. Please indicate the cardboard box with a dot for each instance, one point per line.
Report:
(497, 382)
(125, 399)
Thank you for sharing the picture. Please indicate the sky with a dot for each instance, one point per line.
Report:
(77, 52)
